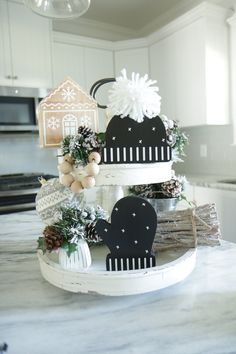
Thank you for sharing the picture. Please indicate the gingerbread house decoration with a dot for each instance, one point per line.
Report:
(65, 109)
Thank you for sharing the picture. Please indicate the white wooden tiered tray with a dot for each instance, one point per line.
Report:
(172, 267)
(133, 174)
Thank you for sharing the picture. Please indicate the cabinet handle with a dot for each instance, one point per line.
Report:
(8, 77)
(15, 77)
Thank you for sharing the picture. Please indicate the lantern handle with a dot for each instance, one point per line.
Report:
(96, 86)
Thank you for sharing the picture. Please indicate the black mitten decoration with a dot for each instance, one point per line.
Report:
(130, 234)
(128, 141)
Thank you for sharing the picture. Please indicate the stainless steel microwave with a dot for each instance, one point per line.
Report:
(18, 107)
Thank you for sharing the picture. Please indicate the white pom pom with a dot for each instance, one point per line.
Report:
(134, 98)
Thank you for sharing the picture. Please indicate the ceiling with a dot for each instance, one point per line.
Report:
(133, 14)
(126, 19)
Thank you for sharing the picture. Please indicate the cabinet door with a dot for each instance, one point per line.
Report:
(30, 37)
(99, 65)
(225, 202)
(190, 66)
(68, 60)
(5, 52)
(133, 60)
(163, 69)
(190, 95)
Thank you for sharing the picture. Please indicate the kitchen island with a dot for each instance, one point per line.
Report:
(196, 316)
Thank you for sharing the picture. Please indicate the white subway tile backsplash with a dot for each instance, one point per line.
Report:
(21, 153)
(221, 154)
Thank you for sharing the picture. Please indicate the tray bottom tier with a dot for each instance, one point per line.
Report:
(172, 267)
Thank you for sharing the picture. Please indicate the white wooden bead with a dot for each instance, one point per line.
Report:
(68, 158)
(88, 182)
(94, 157)
(76, 187)
(67, 180)
(92, 169)
(65, 167)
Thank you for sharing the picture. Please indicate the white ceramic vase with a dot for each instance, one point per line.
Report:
(78, 260)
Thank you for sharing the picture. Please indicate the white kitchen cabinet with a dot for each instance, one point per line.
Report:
(225, 201)
(190, 62)
(5, 57)
(99, 65)
(83, 64)
(133, 60)
(25, 40)
(163, 69)
(68, 60)
(190, 75)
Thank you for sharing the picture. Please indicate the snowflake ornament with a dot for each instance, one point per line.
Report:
(68, 94)
(53, 123)
(136, 98)
(86, 120)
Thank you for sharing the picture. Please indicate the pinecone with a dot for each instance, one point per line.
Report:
(85, 131)
(143, 190)
(52, 239)
(172, 188)
(91, 233)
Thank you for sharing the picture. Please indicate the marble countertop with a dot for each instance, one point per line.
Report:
(212, 181)
(197, 316)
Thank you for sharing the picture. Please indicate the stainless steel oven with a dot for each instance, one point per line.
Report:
(18, 107)
(18, 191)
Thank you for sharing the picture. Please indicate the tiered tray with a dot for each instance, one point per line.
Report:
(172, 267)
(133, 174)
(128, 174)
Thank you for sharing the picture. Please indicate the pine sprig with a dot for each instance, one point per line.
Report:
(81, 145)
(41, 244)
(74, 224)
(181, 140)
(69, 247)
(65, 144)
(176, 138)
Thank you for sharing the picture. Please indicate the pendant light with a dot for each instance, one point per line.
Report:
(58, 9)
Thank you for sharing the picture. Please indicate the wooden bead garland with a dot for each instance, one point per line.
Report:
(76, 187)
(68, 158)
(67, 180)
(88, 182)
(91, 169)
(65, 167)
(94, 157)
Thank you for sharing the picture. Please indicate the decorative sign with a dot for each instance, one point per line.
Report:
(128, 141)
(63, 111)
(130, 234)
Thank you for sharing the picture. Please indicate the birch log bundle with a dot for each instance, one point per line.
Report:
(187, 228)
